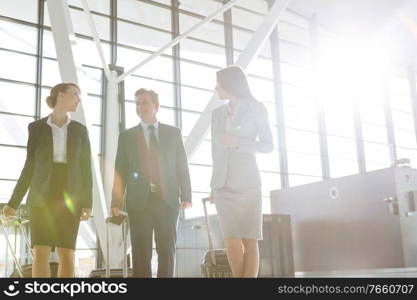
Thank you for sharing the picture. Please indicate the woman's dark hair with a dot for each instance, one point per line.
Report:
(233, 80)
(59, 88)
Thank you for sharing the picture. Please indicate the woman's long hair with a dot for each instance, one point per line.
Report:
(233, 80)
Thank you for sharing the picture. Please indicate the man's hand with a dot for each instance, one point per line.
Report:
(85, 214)
(230, 141)
(8, 211)
(185, 205)
(115, 211)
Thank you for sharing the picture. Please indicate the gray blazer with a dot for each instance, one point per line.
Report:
(132, 178)
(237, 168)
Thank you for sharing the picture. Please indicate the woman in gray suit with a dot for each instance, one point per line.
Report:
(240, 129)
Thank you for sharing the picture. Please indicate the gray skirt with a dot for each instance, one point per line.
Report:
(239, 212)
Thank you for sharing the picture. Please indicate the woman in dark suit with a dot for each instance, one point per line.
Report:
(240, 129)
(58, 172)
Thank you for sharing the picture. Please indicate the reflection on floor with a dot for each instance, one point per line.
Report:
(375, 273)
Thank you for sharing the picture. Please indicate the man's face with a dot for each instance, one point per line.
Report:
(145, 107)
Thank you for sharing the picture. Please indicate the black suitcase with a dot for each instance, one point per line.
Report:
(115, 273)
(215, 263)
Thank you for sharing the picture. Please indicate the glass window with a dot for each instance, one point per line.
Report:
(92, 81)
(260, 67)
(297, 97)
(6, 190)
(408, 153)
(341, 147)
(268, 161)
(80, 23)
(342, 167)
(167, 116)
(164, 90)
(48, 44)
(188, 121)
(50, 72)
(258, 6)
(295, 180)
(241, 40)
(17, 66)
(399, 86)
(302, 119)
(401, 102)
(270, 182)
(141, 37)
(245, 19)
(197, 209)
(294, 54)
(13, 9)
(95, 138)
(202, 7)
(200, 51)
(11, 162)
(405, 138)
(299, 76)
(159, 68)
(200, 178)
(293, 33)
(102, 6)
(144, 13)
(373, 166)
(374, 133)
(88, 53)
(263, 90)
(197, 75)
(377, 153)
(18, 37)
(302, 141)
(203, 154)
(402, 120)
(14, 129)
(16, 98)
(210, 32)
(299, 163)
(92, 109)
(195, 99)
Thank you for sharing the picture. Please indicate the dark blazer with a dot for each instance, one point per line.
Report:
(36, 173)
(132, 178)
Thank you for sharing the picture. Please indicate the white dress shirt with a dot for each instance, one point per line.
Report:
(59, 136)
(147, 132)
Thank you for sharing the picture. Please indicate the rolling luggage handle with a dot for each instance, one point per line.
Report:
(3, 221)
(210, 237)
(124, 229)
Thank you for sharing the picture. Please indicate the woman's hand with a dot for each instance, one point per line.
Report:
(230, 141)
(211, 198)
(8, 211)
(85, 214)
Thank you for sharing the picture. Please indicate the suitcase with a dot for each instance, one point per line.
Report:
(115, 273)
(24, 271)
(215, 263)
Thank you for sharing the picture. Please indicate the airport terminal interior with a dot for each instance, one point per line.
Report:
(339, 82)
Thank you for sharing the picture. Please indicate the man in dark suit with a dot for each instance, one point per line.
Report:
(151, 173)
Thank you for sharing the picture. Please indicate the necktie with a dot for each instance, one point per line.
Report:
(154, 157)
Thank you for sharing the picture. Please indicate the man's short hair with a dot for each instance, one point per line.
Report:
(152, 93)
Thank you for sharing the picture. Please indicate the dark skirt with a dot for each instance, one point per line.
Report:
(56, 223)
